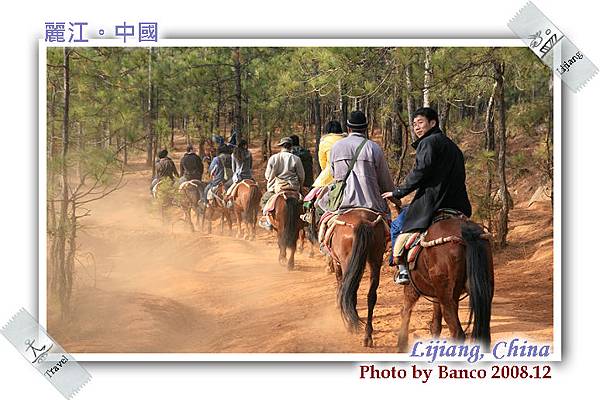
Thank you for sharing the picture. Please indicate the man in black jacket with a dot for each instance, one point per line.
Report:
(191, 166)
(165, 168)
(438, 177)
(306, 158)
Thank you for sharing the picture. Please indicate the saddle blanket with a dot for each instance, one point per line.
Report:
(270, 205)
(329, 221)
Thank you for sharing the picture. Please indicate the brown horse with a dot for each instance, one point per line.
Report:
(215, 207)
(446, 271)
(246, 203)
(189, 199)
(286, 222)
(360, 237)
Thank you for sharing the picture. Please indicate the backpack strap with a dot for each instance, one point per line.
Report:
(354, 158)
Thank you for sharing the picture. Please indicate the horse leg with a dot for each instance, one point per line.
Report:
(254, 223)
(188, 218)
(450, 313)
(207, 216)
(371, 301)
(301, 237)
(282, 249)
(339, 274)
(238, 221)
(229, 222)
(410, 299)
(329, 268)
(435, 327)
(290, 263)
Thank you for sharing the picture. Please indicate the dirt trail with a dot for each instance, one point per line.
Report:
(152, 288)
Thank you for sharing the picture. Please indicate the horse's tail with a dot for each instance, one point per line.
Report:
(292, 217)
(481, 283)
(363, 241)
(251, 209)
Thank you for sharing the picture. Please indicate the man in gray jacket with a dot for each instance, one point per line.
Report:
(284, 172)
(370, 176)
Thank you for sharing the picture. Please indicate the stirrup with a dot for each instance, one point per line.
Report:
(263, 223)
(401, 277)
(306, 218)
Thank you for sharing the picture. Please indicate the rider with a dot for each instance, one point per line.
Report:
(220, 171)
(241, 161)
(165, 168)
(306, 158)
(438, 177)
(191, 166)
(284, 172)
(370, 175)
(333, 134)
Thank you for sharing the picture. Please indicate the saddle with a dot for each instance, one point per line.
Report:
(213, 195)
(193, 182)
(314, 194)
(246, 182)
(156, 186)
(270, 205)
(416, 242)
(330, 220)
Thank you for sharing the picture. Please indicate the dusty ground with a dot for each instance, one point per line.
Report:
(145, 287)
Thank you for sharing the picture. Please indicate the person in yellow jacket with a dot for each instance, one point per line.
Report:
(334, 133)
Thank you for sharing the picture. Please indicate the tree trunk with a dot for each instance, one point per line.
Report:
(410, 104)
(60, 265)
(428, 76)
(219, 106)
(317, 104)
(149, 127)
(237, 78)
(503, 190)
(444, 116)
(490, 146)
(396, 123)
(125, 151)
(172, 123)
(343, 105)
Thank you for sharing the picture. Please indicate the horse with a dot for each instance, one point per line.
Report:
(459, 261)
(214, 205)
(309, 232)
(164, 193)
(360, 237)
(286, 222)
(246, 203)
(189, 199)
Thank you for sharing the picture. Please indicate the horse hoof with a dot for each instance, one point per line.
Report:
(368, 342)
